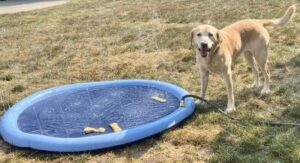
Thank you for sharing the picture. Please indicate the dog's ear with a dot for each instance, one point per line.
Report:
(219, 38)
(192, 38)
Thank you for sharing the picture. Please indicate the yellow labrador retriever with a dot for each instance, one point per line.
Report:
(218, 49)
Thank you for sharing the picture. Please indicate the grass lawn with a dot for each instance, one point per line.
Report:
(95, 40)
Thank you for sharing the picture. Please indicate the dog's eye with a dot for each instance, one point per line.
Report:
(210, 34)
(199, 34)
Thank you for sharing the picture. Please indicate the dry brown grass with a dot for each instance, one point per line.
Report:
(103, 40)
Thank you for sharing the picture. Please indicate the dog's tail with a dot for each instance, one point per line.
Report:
(281, 22)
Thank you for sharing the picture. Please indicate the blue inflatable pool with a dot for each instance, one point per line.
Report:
(95, 115)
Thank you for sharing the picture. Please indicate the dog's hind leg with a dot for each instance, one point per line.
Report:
(251, 62)
(261, 58)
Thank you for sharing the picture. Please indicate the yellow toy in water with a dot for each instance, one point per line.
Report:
(89, 130)
(157, 98)
(181, 103)
(115, 127)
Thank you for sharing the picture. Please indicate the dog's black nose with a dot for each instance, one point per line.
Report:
(204, 45)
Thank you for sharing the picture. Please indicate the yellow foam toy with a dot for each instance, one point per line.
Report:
(157, 98)
(89, 130)
(181, 103)
(115, 127)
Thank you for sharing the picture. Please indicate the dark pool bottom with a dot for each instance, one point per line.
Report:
(66, 115)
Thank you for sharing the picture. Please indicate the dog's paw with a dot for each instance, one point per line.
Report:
(265, 91)
(230, 109)
(255, 85)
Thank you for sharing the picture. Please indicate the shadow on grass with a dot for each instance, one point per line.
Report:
(259, 143)
(246, 144)
(131, 151)
(294, 62)
(292, 113)
(220, 101)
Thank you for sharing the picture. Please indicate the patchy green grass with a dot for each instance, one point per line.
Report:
(103, 40)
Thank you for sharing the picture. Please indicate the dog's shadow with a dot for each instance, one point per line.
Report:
(221, 101)
(204, 108)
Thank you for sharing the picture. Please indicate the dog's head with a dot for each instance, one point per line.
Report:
(205, 37)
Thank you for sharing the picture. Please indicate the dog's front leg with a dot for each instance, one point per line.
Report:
(204, 81)
(204, 75)
(229, 86)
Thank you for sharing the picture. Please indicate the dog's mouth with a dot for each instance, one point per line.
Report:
(204, 51)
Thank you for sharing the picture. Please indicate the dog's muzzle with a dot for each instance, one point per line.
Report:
(204, 50)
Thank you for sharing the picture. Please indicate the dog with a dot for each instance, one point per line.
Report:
(217, 50)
